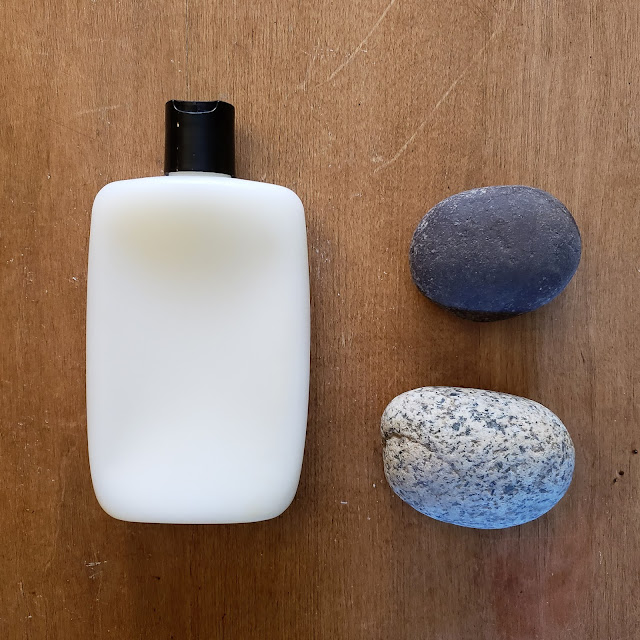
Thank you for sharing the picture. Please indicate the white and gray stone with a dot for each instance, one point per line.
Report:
(475, 458)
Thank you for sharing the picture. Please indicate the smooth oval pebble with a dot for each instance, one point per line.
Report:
(495, 252)
(475, 458)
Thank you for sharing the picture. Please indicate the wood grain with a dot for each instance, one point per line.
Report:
(372, 111)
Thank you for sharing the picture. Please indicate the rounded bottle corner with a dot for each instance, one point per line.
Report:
(294, 197)
(107, 189)
(285, 193)
(116, 186)
(109, 501)
(282, 506)
(103, 196)
(111, 510)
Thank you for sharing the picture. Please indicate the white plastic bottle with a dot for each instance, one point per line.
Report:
(197, 335)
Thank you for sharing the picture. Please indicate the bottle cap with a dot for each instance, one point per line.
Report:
(199, 137)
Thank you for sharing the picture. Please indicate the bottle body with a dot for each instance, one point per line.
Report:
(197, 349)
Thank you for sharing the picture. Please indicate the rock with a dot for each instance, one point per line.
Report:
(495, 252)
(475, 458)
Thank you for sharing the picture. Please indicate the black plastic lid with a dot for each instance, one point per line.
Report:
(199, 137)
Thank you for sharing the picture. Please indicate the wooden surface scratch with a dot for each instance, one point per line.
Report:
(363, 42)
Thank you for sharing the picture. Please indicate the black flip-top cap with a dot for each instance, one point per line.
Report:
(199, 137)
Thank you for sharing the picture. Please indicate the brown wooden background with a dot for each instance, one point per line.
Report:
(372, 112)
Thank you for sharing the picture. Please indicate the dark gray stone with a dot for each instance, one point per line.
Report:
(495, 252)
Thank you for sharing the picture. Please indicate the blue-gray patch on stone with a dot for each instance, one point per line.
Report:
(495, 252)
(511, 463)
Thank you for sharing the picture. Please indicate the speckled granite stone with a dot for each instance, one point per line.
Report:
(495, 252)
(475, 458)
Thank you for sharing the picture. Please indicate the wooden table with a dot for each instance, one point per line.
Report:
(372, 112)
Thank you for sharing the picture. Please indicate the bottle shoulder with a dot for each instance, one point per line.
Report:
(197, 199)
(188, 182)
(210, 195)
